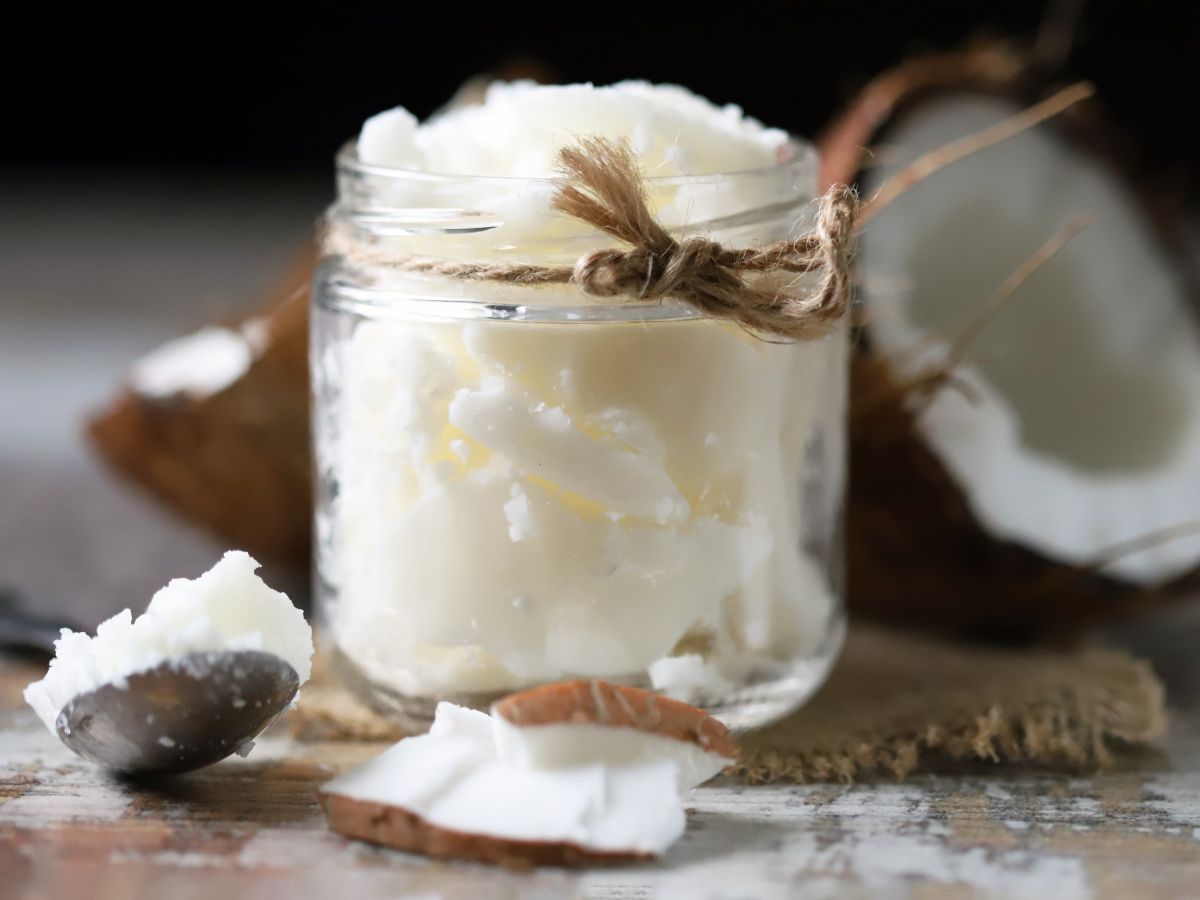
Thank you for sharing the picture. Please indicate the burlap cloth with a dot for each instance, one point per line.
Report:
(896, 704)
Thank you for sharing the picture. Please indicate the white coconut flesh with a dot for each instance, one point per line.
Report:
(1079, 428)
(453, 779)
(199, 364)
(567, 745)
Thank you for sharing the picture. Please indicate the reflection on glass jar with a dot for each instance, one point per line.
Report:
(520, 484)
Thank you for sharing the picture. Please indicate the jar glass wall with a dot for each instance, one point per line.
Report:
(520, 484)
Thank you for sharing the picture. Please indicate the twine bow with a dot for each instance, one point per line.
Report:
(603, 187)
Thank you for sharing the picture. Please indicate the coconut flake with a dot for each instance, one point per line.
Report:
(579, 722)
(454, 795)
(552, 747)
(545, 442)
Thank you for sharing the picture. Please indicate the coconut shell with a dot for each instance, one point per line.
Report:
(236, 462)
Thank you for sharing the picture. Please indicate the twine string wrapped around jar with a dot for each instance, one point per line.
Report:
(603, 187)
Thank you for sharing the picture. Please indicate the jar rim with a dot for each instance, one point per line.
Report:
(799, 155)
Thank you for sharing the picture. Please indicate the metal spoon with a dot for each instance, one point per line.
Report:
(181, 715)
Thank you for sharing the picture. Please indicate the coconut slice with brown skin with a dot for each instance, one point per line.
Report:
(573, 723)
(992, 503)
(455, 793)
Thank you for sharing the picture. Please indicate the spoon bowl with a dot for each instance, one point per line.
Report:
(181, 715)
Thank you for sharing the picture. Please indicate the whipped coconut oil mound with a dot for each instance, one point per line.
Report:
(227, 608)
(520, 126)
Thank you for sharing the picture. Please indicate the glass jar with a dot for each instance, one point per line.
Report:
(520, 484)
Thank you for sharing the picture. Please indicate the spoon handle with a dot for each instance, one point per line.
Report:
(23, 630)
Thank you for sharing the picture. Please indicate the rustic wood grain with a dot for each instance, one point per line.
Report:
(254, 826)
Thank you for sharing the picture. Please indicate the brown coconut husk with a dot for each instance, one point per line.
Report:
(998, 68)
(845, 143)
(917, 554)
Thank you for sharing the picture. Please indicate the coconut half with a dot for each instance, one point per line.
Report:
(564, 790)
(991, 506)
(1077, 425)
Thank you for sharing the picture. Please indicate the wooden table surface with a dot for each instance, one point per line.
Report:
(253, 826)
(141, 262)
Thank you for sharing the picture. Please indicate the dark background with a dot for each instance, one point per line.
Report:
(199, 89)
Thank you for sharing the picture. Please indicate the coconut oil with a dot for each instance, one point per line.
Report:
(520, 484)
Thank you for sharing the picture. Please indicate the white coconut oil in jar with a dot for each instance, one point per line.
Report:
(522, 484)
